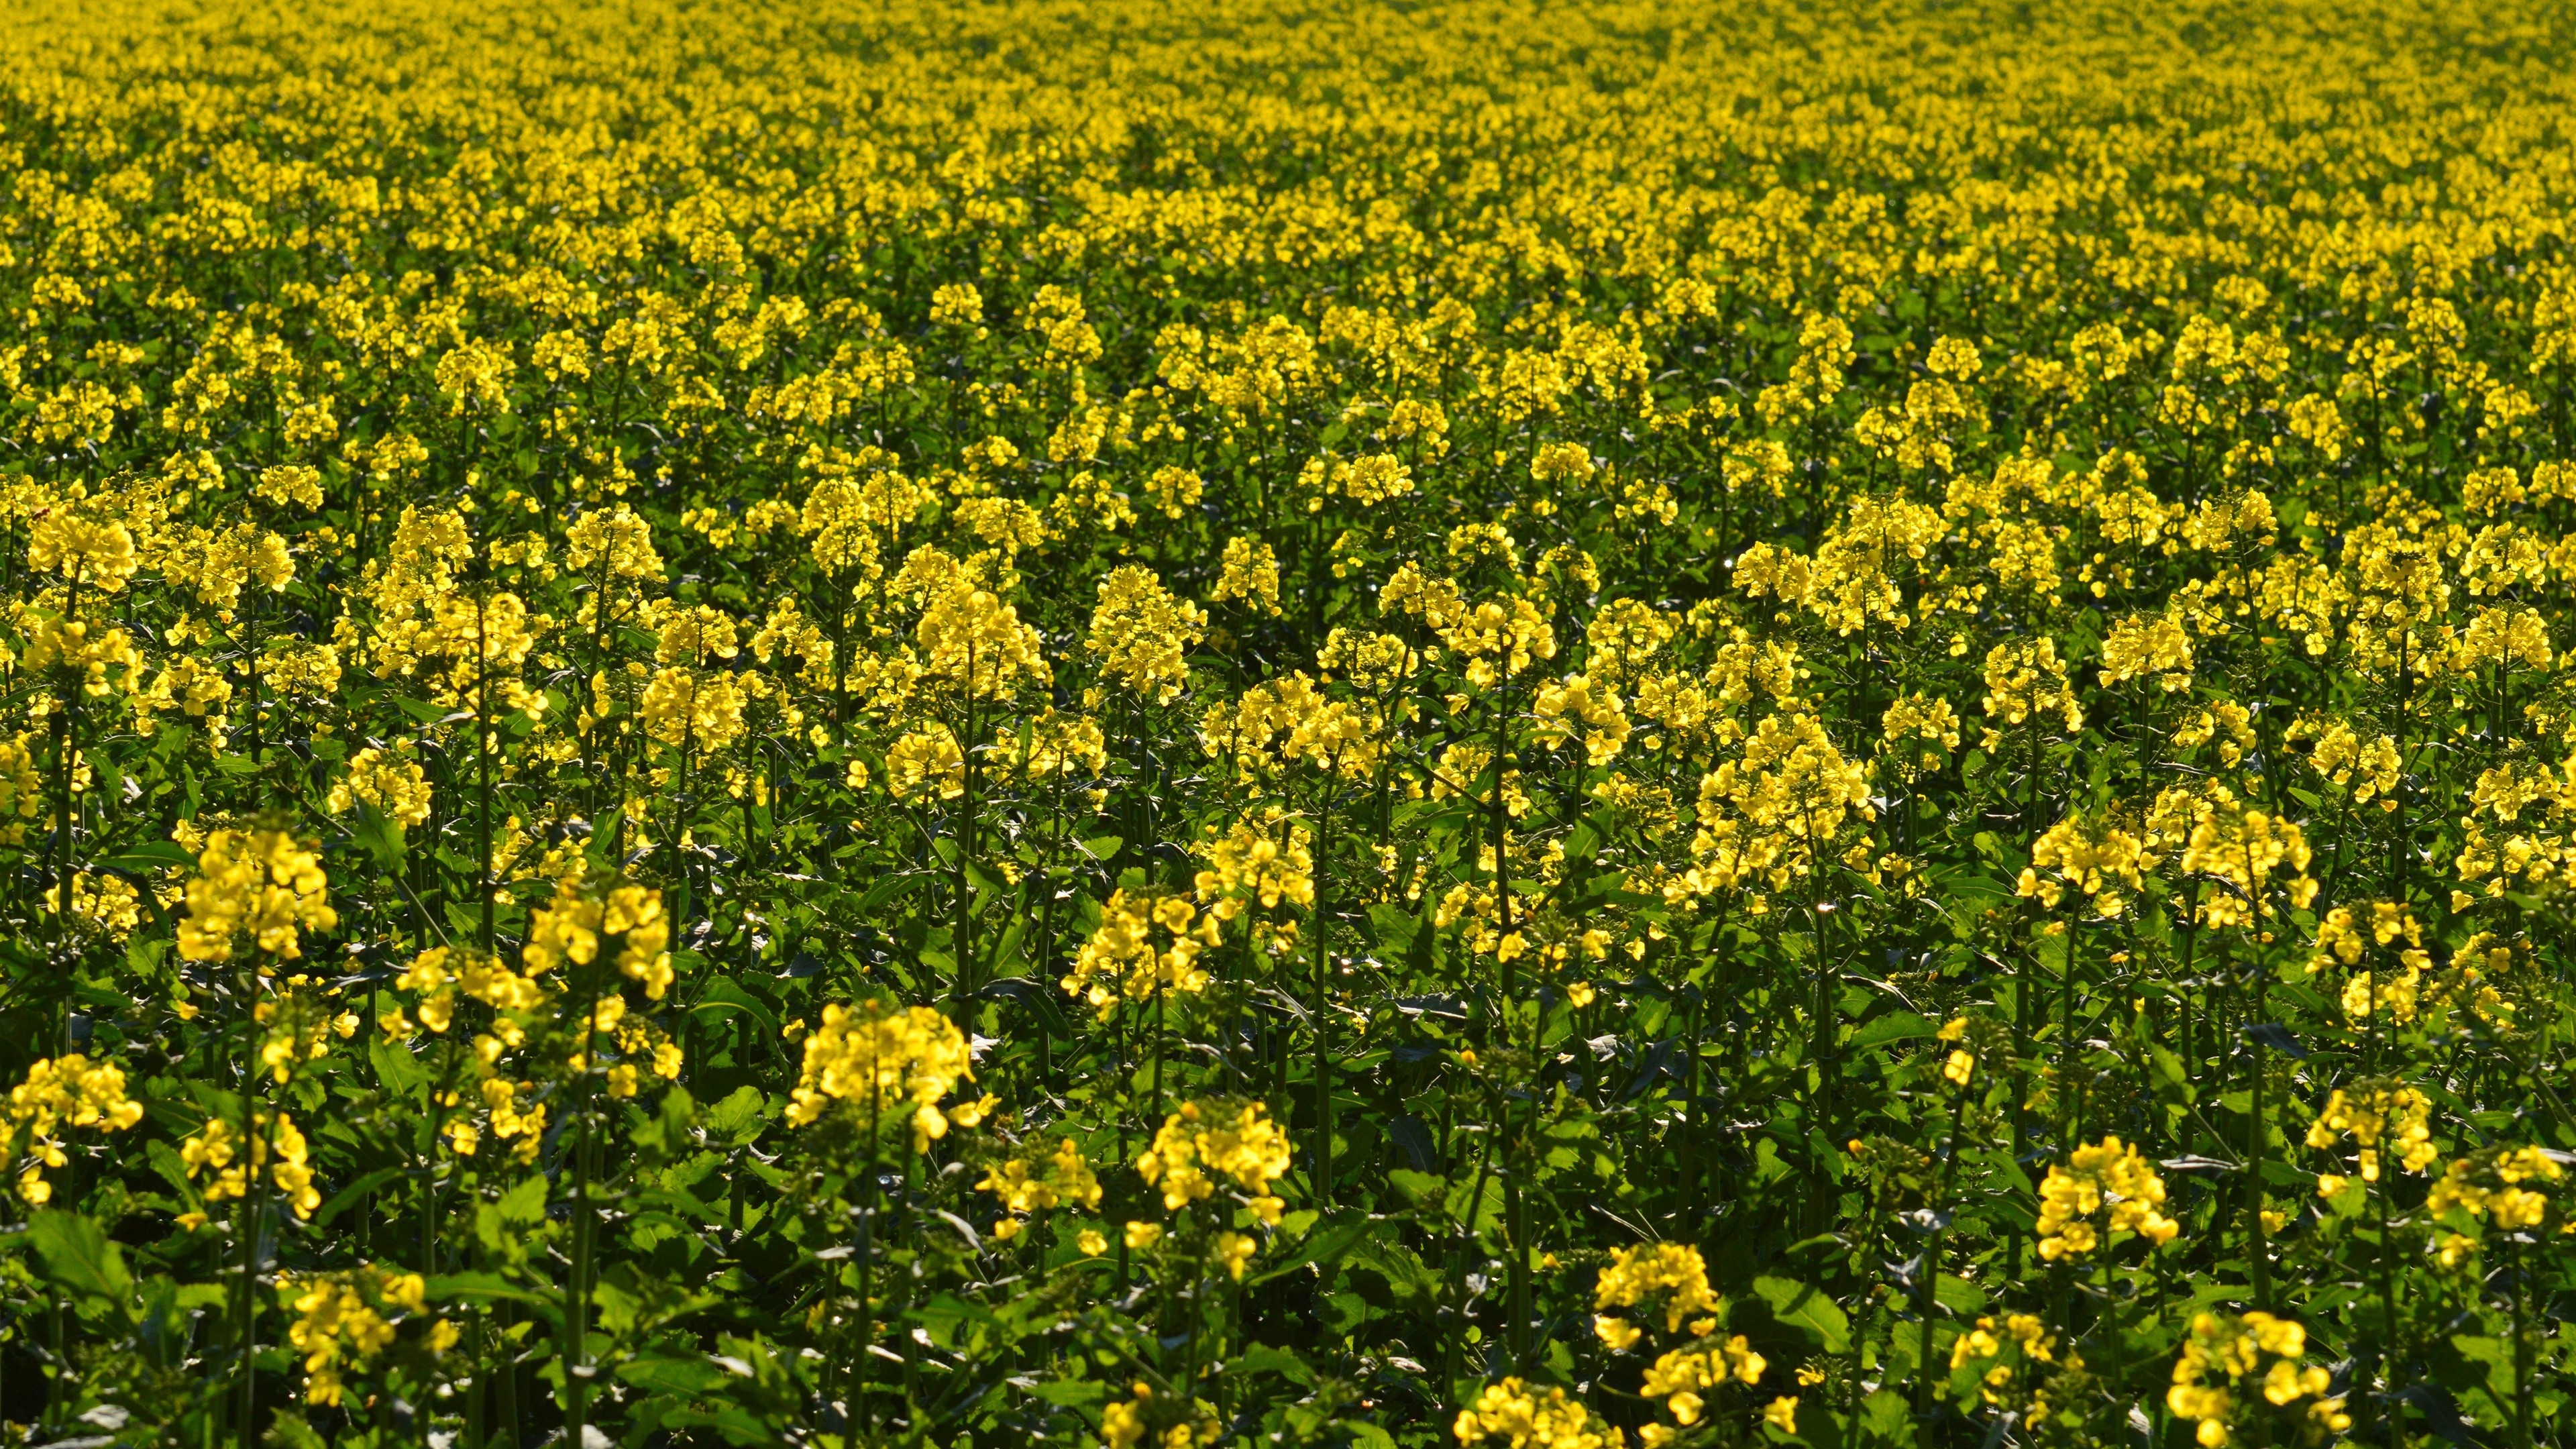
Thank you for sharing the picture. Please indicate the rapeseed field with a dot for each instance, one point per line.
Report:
(1124, 723)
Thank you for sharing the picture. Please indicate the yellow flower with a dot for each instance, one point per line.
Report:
(230, 1160)
(2502, 1185)
(1250, 575)
(1141, 633)
(1524, 1416)
(94, 554)
(264, 885)
(1121, 960)
(1196, 1146)
(1064, 1177)
(397, 787)
(2111, 1174)
(1122, 1423)
(2380, 1115)
(1233, 1250)
(2224, 1353)
(572, 928)
(880, 1060)
(59, 1092)
(699, 708)
(1674, 1272)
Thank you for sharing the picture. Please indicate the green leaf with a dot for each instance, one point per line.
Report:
(1480, 1212)
(1417, 1187)
(1395, 928)
(1801, 1307)
(353, 1192)
(1410, 1282)
(885, 891)
(166, 1161)
(525, 1204)
(1042, 999)
(448, 1287)
(736, 1425)
(153, 855)
(739, 1117)
(397, 1069)
(2477, 1364)
(954, 1323)
(200, 1295)
(380, 837)
(1885, 1418)
(78, 1257)
(1959, 1295)
(685, 1377)
(1262, 1358)
(1894, 1026)
(1564, 1141)
(1326, 1245)
(1071, 1393)
(724, 998)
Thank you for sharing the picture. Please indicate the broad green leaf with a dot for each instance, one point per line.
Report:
(1802, 1307)
(79, 1257)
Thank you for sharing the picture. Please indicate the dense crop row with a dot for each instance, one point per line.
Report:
(1456, 724)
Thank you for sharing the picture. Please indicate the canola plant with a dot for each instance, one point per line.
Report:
(1109, 722)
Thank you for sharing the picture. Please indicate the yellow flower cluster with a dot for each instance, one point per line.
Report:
(1025, 1187)
(93, 553)
(1121, 961)
(2224, 1352)
(394, 786)
(1678, 1377)
(1249, 861)
(265, 885)
(1674, 1272)
(1198, 1144)
(297, 1027)
(1291, 721)
(2105, 1174)
(1251, 575)
(2016, 1335)
(2025, 681)
(231, 1160)
(581, 917)
(1770, 816)
(1526, 1417)
(66, 1091)
(2381, 1117)
(1141, 633)
(2347, 932)
(1916, 730)
(879, 1059)
(342, 1325)
(1960, 1066)
(1457, 496)
(99, 659)
(2095, 856)
(974, 646)
(2502, 1185)
(107, 904)
(2143, 646)
(2242, 846)
(692, 708)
